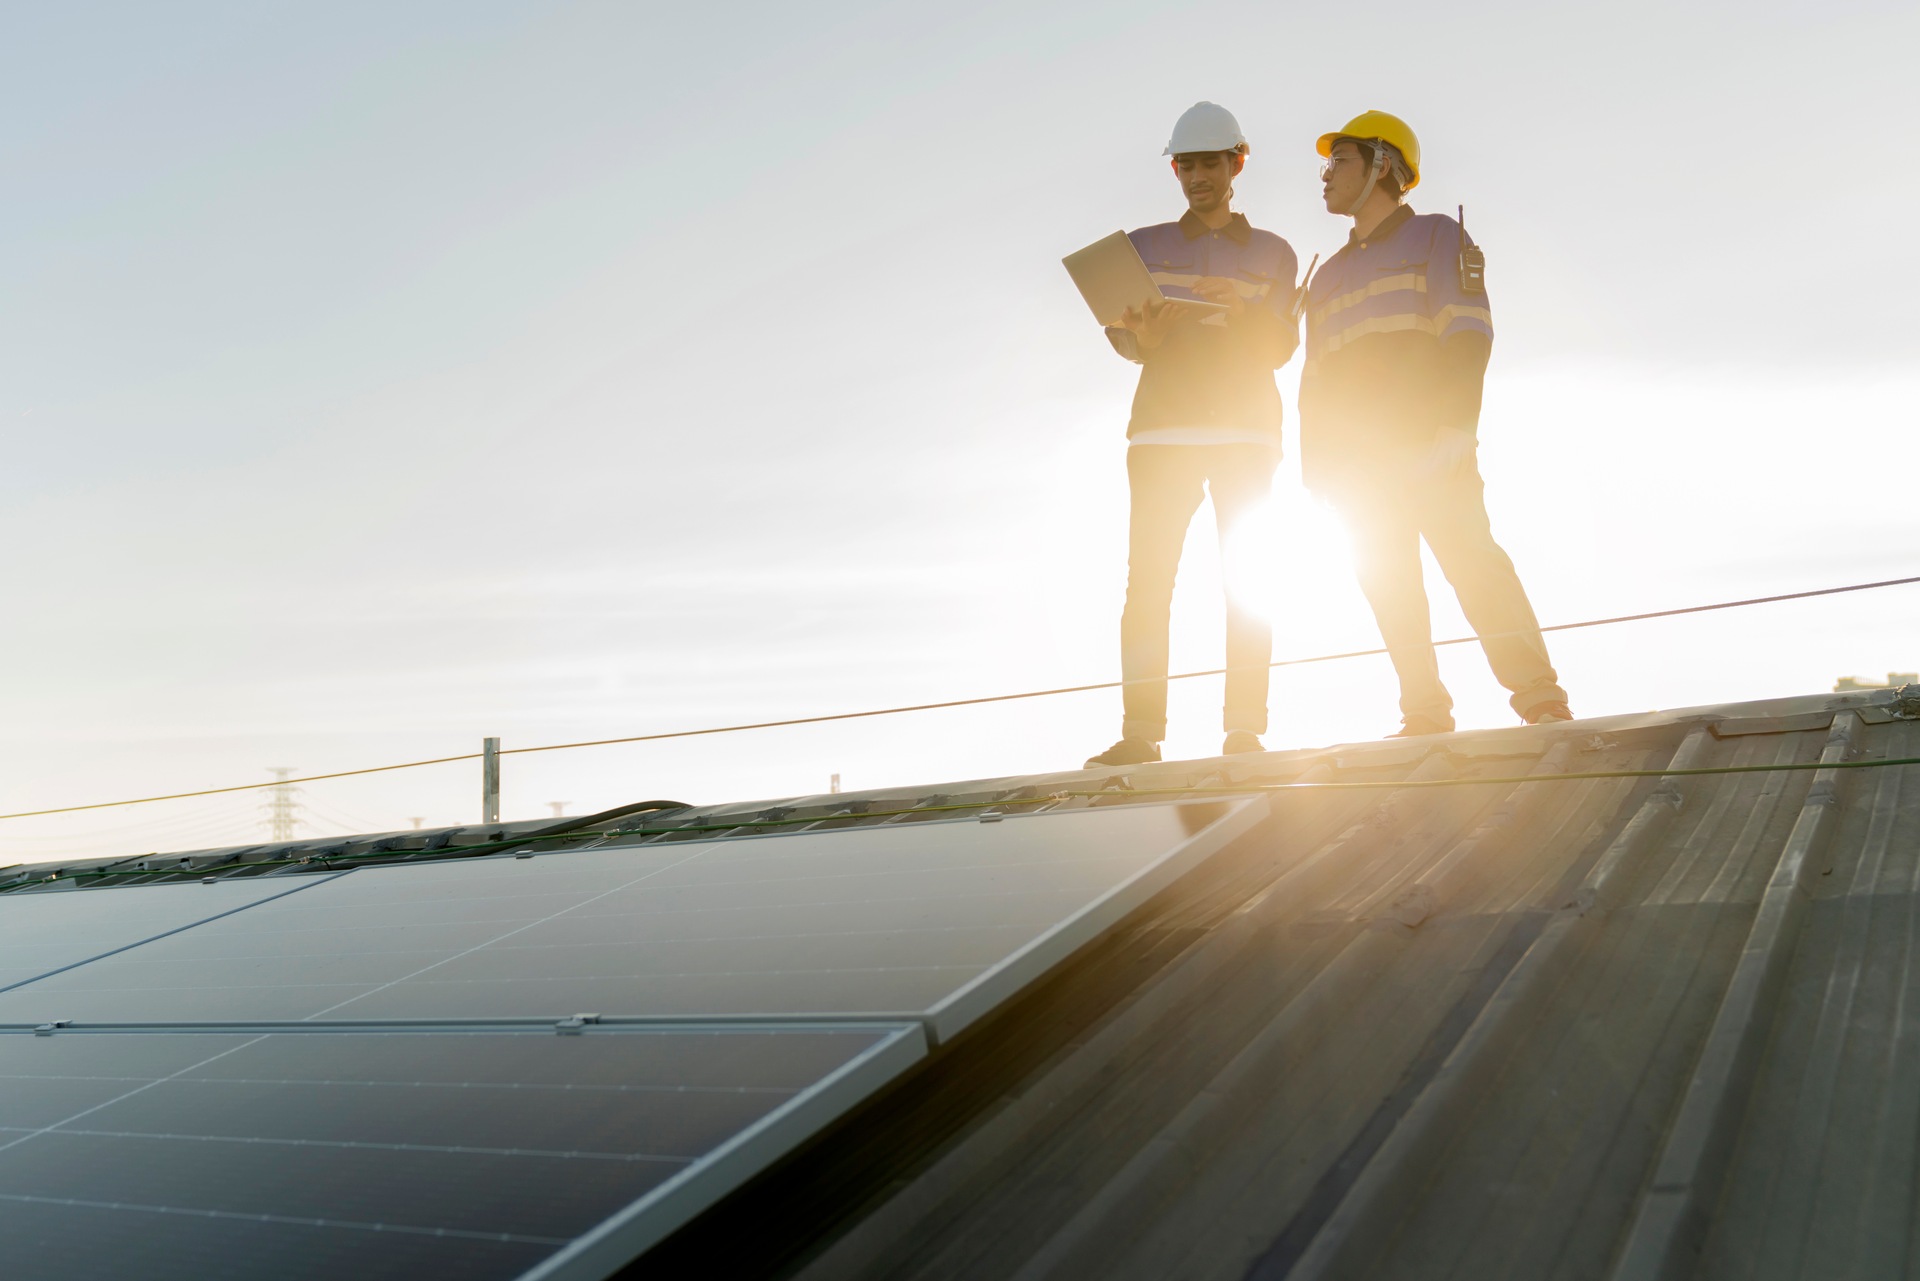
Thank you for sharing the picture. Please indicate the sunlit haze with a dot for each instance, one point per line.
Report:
(382, 377)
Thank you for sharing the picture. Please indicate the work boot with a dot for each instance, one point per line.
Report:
(1547, 713)
(1128, 751)
(1241, 741)
(1420, 726)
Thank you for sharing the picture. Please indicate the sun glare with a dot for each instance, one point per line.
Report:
(1285, 555)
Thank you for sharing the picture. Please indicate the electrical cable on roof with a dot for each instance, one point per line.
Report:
(956, 702)
(347, 861)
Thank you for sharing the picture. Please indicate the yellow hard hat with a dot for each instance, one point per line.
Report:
(1378, 124)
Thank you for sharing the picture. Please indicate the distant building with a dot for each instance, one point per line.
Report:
(1850, 684)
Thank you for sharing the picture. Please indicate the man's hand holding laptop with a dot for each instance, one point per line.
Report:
(1151, 320)
(1220, 291)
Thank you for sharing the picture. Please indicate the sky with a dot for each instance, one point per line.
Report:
(376, 378)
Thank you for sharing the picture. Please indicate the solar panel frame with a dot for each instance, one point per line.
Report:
(644, 1224)
(962, 1007)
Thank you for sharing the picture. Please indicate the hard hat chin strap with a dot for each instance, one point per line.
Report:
(1374, 173)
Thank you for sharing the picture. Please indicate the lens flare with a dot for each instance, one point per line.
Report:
(1284, 556)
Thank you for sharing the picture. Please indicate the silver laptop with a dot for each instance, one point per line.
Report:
(1112, 278)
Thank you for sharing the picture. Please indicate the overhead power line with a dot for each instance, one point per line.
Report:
(1183, 676)
(962, 702)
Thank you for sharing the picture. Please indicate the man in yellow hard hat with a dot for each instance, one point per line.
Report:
(1205, 422)
(1398, 335)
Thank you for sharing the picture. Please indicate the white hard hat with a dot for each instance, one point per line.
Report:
(1206, 126)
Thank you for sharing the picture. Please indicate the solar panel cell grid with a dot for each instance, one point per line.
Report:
(44, 932)
(861, 921)
(355, 1152)
(92, 1241)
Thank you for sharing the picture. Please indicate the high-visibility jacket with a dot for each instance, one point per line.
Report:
(1211, 380)
(1396, 349)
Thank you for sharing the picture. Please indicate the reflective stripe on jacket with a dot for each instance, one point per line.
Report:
(1395, 349)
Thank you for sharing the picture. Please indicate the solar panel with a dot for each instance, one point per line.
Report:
(327, 1154)
(935, 920)
(46, 931)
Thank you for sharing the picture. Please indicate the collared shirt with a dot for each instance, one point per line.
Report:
(1395, 348)
(1214, 376)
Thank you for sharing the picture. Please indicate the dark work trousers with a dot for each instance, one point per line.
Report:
(1387, 523)
(1167, 483)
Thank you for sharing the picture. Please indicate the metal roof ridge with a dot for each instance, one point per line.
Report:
(1266, 764)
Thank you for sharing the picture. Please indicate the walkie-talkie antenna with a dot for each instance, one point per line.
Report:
(1300, 294)
(1473, 263)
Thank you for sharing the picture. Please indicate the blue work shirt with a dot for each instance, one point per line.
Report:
(1213, 376)
(1396, 350)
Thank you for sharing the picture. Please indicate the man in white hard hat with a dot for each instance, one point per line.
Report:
(1206, 421)
(1398, 335)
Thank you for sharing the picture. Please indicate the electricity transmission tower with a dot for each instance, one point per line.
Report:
(282, 810)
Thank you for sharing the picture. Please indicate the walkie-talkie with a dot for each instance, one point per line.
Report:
(1473, 263)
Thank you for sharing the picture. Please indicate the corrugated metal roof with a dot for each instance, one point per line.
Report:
(1625, 1027)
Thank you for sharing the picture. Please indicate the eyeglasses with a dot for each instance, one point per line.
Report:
(1334, 162)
